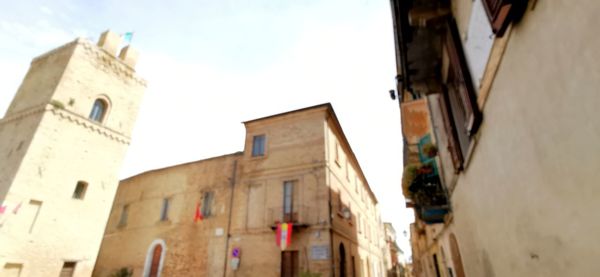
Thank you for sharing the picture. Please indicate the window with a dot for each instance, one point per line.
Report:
(347, 171)
(98, 110)
(340, 204)
(164, 212)
(462, 113)
(258, 146)
(499, 14)
(355, 183)
(337, 154)
(80, 190)
(207, 204)
(359, 223)
(288, 201)
(68, 269)
(34, 211)
(124, 215)
(11, 269)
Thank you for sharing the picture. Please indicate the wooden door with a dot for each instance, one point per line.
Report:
(289, 264)
(156, 255)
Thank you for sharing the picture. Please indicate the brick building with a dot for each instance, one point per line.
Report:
(296, 167)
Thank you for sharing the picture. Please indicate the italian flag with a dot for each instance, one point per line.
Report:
(283, 235)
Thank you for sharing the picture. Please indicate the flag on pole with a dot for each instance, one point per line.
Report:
(16, 209)
(127, 37)
(283, 235)
(198, 216)
(2, 209)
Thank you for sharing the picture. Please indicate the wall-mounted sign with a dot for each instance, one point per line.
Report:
(319, 252)
(415, 120)
(235, 252)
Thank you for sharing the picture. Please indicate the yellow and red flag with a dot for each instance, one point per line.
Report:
(283, 235)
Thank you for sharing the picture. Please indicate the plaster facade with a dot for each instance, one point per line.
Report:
(329, 193)
(524, 199)
(48, 145)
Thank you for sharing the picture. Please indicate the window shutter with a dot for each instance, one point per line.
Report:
(462, 79)
(498, 12)
(453, 146)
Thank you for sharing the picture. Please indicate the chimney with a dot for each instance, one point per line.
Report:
(129, 55)
(110, 41)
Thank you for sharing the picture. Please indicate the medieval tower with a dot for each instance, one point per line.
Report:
(62, 142)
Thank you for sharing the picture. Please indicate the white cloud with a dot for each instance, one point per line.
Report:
(46, 10)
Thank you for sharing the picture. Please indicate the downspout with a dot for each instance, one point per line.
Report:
(232, 185)
(331, 234)
(329, 202)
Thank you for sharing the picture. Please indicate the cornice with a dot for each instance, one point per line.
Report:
(71, 117)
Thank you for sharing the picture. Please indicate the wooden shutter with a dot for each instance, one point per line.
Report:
(67, 270)
(498, 12)
(453, 147)
(462, 79)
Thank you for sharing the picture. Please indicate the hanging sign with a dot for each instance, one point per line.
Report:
(283, 235)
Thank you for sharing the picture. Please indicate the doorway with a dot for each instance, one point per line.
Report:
(289, 264)
(342, 260)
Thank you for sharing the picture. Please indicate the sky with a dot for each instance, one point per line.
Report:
(211, 65)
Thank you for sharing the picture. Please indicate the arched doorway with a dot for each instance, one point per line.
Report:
(155, 258)
(456, 259)
(156, 253)
(342, 260)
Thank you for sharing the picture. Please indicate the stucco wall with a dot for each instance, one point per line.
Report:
(526, 205)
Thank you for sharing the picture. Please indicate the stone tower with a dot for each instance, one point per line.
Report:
(62, 142)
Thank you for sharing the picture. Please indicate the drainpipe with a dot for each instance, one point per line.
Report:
(232, 185)
(332, 273)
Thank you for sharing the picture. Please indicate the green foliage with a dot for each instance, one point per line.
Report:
(57, 104)
(430, 150)
(123, 272)
(309, 274)
(409, 174)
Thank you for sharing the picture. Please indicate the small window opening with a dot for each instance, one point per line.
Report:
(98, 110)
(68, 269)
(164, 213)
(207, 204)
(258, 146)
(80, 190)
(124, 215)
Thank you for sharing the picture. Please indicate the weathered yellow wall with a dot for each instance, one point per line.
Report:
(59, 147)
(295, 151)
(191, 247)
(527, 203)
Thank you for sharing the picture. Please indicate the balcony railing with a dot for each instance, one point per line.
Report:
(301, 216)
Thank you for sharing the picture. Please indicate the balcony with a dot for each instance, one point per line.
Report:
(421, 182)
(301, 216)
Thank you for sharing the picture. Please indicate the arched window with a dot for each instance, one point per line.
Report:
(98, 110)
